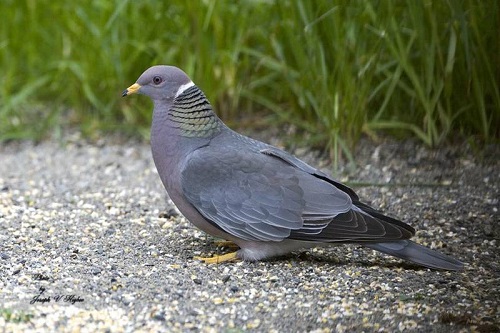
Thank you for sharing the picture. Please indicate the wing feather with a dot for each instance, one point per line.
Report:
(270, 195)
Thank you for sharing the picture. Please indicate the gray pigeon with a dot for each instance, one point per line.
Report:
(265, 200)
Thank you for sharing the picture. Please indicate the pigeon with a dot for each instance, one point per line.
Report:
(259, 197)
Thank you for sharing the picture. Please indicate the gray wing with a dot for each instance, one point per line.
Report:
(257, 197)
(262, 196)
(372, 224)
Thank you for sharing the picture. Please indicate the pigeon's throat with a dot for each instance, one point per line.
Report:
(192, 114)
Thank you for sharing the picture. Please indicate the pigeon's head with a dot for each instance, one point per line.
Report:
(160, 83)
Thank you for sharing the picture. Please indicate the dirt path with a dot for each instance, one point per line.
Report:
(89, 242)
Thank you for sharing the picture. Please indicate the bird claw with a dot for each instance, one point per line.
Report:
(217, 259)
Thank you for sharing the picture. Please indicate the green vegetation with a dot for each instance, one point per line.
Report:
(10, 315)
(334, 69)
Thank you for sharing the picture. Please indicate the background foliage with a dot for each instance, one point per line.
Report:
(334, 69)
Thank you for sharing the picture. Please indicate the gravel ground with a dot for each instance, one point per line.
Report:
(90, 243)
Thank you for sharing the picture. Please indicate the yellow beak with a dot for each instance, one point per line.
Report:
(131, 90)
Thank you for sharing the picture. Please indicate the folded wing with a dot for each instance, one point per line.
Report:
(262, 196)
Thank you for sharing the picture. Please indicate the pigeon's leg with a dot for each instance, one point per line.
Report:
(228, 244)
(232, 256)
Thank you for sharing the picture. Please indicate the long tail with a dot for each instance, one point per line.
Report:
(408, 250)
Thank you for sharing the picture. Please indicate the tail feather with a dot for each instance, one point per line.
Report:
(408, 250)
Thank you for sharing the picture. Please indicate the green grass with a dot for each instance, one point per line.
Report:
(13, 316)
(333, 69)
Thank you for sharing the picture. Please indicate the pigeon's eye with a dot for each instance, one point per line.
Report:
(157, 80)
